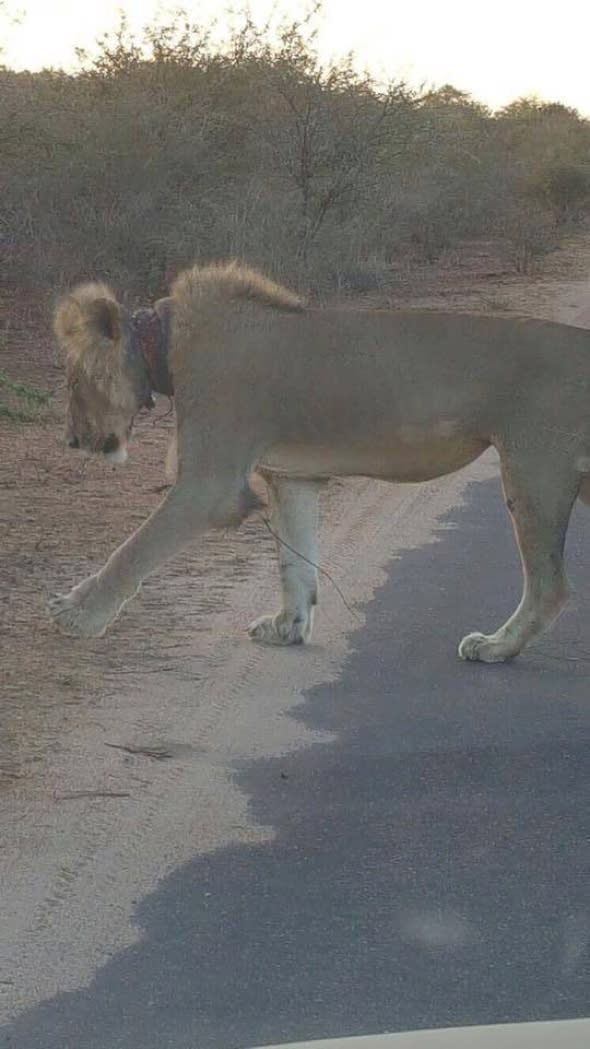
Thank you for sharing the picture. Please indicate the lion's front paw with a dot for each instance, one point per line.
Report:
(84, 612)
(486, 649)
(286, 628)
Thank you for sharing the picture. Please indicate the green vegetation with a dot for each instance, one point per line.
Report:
(173, 148)
(19, 402)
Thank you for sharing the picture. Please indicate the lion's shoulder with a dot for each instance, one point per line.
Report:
(231, 281)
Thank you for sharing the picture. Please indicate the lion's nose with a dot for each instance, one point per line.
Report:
(110, 444)
(73, 442)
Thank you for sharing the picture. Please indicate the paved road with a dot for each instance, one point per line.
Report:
(430, 866)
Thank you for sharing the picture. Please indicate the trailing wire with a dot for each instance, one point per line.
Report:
(318, 568)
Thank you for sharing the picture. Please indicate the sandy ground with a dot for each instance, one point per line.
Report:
(116, 755)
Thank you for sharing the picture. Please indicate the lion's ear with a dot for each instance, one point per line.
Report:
(104, 316)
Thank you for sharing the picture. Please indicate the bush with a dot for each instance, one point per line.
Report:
(170, 149)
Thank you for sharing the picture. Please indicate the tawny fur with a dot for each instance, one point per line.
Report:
(89, 352)
(89, 325)
(262, 382)
(232, 282)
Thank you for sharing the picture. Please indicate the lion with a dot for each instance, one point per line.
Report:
(264, 382)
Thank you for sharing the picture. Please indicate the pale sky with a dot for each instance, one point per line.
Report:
(497, 50)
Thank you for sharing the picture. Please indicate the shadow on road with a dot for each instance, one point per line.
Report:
(430, 868)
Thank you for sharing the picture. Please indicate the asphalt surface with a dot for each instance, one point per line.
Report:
(430, 866)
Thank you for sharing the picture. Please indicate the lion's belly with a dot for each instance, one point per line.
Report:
(410, 456)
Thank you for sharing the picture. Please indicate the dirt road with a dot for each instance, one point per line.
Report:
(119, 755)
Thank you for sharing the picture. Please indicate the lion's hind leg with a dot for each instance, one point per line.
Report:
(540, 492)
(294, 523)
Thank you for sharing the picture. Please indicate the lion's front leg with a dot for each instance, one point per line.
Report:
(294, 521)
(88, 609)
(539, 496)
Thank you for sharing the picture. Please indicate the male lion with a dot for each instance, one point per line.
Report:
(304, 394)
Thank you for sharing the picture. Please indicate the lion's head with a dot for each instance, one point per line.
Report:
(107, 382)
